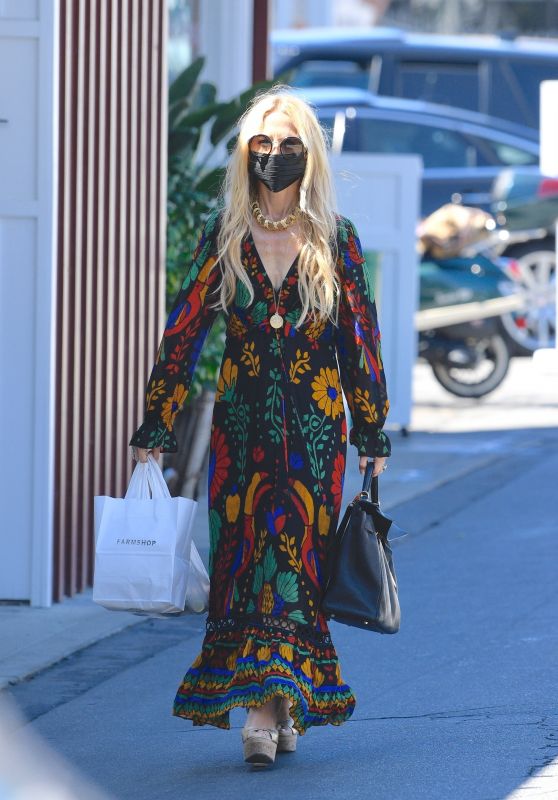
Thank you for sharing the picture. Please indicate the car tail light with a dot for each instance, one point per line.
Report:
(548, 187)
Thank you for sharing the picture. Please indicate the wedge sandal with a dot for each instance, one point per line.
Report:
(260, 745)
(288, 736)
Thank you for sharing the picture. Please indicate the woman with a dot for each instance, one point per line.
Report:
(301, 320)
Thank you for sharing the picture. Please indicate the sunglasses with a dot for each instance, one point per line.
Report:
(262, 145)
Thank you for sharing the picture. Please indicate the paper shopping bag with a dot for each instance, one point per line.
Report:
(145, 559)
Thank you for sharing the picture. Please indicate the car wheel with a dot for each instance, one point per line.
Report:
(534, 326)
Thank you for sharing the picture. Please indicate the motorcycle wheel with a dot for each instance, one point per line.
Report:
(481, 379)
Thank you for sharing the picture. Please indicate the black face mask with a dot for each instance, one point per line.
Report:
(277, 171)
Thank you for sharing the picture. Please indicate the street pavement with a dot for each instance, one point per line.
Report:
(460, 704)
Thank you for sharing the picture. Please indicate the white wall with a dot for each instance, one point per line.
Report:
(226, 42)
(380, 195)
(301, 13)
(27, 225)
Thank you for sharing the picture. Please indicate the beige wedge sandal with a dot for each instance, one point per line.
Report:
(288, 736)
(260, 745)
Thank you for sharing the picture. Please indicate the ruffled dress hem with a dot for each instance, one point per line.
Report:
(247, 666)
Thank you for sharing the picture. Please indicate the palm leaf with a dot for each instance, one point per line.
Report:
(183, 139)
(176, 110)
(232, 110)
(225, 121)
(204, 94)
(184, 83)
(188, 118)
(210, 183)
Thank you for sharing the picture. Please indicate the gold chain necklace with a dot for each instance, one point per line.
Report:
(271, 224)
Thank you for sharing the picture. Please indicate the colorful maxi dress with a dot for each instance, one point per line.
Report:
(277, 460)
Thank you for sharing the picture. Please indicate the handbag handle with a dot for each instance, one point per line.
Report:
(370, 489)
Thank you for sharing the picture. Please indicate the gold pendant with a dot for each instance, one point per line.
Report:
(276, 321)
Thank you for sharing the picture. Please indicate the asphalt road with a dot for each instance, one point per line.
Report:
(461, 704)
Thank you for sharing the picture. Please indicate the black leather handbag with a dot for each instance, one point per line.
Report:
(361, 586)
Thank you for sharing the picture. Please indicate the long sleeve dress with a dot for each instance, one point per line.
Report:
(277, 461)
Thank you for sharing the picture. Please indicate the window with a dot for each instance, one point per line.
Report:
(439, 82)
(516, 85)
(438, 146)
(332, 73)
(530, 75)
(491, 152)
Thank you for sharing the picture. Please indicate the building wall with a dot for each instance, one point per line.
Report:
(27, 208)
(303, 13)
(110, 257)
(225, 40)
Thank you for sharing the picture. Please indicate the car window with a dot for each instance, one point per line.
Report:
(439, 82)
(332, 73)
(515, 89)
(438, 146)
(493, 152)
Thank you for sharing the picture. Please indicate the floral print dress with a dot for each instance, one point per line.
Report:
(277, 461)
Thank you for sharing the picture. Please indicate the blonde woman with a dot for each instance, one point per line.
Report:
(301, 324)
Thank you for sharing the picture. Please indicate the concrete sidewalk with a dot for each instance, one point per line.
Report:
(460, 705)
(448, 438)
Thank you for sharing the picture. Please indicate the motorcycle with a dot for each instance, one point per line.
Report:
(463, 300)
(520, 230)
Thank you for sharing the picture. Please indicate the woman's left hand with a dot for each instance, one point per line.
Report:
(379, 462)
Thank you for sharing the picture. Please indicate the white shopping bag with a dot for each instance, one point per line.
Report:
(145, 559)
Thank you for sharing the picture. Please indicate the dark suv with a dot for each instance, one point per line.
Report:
(497, 77)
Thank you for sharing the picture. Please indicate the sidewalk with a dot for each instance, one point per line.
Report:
(448, 438)
(32, 639)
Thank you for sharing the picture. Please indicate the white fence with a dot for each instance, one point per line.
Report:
(381, 196)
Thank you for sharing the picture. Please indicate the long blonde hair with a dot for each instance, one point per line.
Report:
(318, 284)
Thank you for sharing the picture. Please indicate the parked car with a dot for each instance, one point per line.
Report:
(522, 200)
(487, 74)
(525, 206)
(462, 152)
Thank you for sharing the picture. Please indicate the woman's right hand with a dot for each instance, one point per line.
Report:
(141, 453)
